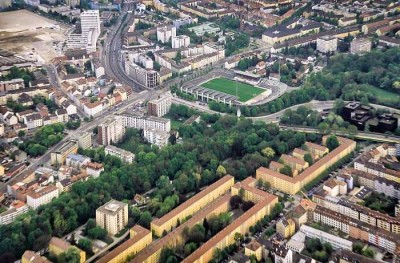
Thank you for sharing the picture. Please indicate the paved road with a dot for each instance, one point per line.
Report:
(379, 137)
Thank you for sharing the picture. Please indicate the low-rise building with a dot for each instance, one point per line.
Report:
(58, 246)
(30, 256)
(94, 169)
(335, 241)
(124, 155)
(76, 160)
(112, 216)
(254, 248)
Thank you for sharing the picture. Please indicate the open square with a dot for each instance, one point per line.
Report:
(245, 91)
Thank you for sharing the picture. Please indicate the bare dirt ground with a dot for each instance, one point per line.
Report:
(31, 35)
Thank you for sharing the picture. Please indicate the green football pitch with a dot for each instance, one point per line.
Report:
(245, 91)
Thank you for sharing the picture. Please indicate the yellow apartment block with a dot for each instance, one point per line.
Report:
(241, 225)
(191, 206)
(254, 248)
(58, 246)
(152, 253)
(59, 156)
(291, 185)
(286, 227)
(140, 238)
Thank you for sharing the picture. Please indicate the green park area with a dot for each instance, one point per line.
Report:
(245, 91)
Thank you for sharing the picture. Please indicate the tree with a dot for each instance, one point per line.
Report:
(238, 237)
(145, 219)
(86, 245)
(358, 247)
(21, 133)
(286, 170)
(368, 252)
(221, 171)
(308, 158)
(268, 152)
(235, 201)
(97, 233)
(332, 142)
(70, 256)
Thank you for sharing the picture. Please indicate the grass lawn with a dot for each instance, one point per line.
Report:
(384, 95)
(245, 91)
(175, 124)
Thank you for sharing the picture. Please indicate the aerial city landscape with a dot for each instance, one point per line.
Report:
(196, 131)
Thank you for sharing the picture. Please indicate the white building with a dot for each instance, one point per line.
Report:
(112, 216)
(16, 208)
(111, 131)
(165, 33)
(142, 122)
(76, 160)
(84, 140)
(93, 109)
(180, 41)
(335, 241)
(90, 25)
(125, 156)
(159, 138)
(327, 44)
(296, 243)
(360, 45)
(94, 169)
(41, 196)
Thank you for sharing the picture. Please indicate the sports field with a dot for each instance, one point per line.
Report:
(245, 91)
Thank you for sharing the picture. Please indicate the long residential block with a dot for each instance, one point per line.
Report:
(152, 253)
(191, 206)
(140, 238)
(292, 185)
(224, 238)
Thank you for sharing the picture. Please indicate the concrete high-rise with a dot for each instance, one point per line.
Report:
(111, 131)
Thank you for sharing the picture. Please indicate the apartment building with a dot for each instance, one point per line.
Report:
(180, 41)
(16, 208)
(191, 206)
(30, 256)
(166, 33)
(94, 169)
(335, 241)
(360, 45)
(291, 185)
(84, 140)
(357, 229)
(59, 156)
(58, 246)
(125, 156)
(327, 44)
(142, 122)
(152, 252)
(14, 84)
(112, 216)
(316, 149)
(156, 137)
(110, 131)
(147, 77)
(41, 196)
(374, 182)
(160, 106)
(358, 212)
(139, 239)
(294, 163)
(286, 227)
(241, 225)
